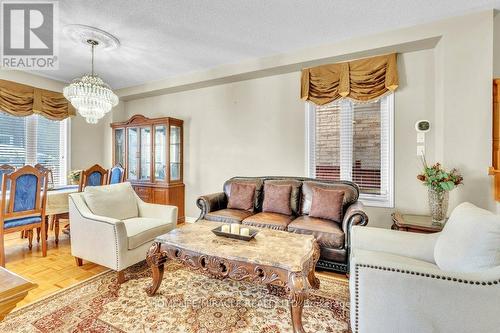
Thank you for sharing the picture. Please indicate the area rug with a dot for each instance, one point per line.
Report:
(187, 301)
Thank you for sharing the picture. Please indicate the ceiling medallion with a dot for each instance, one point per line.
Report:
(90, 95)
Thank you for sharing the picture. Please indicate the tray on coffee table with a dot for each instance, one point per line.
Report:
(218, 231)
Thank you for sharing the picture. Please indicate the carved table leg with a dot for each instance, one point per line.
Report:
(297, 296)
(156, 261)
(313, 280)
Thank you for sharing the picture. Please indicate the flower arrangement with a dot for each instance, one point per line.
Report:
(438, 179)
(439, 183)
(74, 176)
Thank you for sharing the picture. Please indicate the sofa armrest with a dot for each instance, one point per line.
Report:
(112, 238)
(166, 212)
(211, 202)
(354, 215)
(408, 244)
(422, 297)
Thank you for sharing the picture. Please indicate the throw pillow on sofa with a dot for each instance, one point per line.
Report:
(327, 204)
(241, 196)
(470, 240)
(277, 199)
(117, 201)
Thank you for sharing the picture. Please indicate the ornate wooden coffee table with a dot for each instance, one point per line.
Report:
(272, 258)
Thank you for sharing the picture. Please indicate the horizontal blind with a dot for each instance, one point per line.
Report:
(327, 142)
(366, 147)
(351, 141)
(34, 139)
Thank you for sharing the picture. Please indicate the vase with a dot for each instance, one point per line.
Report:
(438, 204)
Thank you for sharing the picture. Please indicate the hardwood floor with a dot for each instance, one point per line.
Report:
(52, 273)
(56, 271)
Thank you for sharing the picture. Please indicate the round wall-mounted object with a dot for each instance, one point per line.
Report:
(423, 126)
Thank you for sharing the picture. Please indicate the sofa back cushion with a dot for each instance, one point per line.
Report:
(117, 200)
(277, 199)
(242, 196)
(259, 184)
(350, 193)
(294, 194)
(327, 204)
(470, 240)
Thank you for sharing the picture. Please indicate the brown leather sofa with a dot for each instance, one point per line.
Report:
(333, 238)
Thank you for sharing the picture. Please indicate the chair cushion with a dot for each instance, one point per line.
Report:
(327, 233)
(351, 193)
(117, 200)
(142, 230)
(277, 199)
(327, 204)
(228, 215)
(294, 195)
(274, 221)
(470, 240)
(242, 196)
(22, 221)
(258, 182)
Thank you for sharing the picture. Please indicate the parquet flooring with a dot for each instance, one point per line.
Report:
(52, 273)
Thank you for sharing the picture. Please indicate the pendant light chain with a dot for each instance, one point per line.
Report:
(93, 59)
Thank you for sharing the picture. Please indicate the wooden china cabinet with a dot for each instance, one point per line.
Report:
(151, 150)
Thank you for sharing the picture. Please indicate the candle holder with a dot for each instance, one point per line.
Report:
(218, 231)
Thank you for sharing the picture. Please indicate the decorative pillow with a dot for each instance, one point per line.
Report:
(327, 204)
(241, 196)
(470, 240)
(117, 201)
(277, 199)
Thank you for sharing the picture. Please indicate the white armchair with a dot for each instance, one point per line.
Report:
(111, 226)
(396, 285)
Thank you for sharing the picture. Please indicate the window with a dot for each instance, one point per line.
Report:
(351, 141)
(35, 139)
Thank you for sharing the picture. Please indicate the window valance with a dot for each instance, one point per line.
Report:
(21, 100)
(362, 80)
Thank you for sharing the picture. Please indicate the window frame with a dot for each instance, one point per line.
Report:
(387, 179)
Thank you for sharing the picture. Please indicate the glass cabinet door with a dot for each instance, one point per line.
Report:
(133, 151)
(145, 153)
(119, 157)
(160, 152)
(175, 153)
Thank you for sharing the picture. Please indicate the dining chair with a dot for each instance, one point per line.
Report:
(116, 174)
(94, 176)
(23, 205)
(52, 220)
(5, 169)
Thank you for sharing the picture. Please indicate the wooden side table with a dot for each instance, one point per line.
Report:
(414, 223)
(13, 289)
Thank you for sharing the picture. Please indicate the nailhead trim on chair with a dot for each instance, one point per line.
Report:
(116, 248)
(405, 271)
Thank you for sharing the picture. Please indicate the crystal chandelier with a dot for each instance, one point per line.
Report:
(90, 95)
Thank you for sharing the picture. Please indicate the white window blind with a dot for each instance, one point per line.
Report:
(350, 141)
(34, 139)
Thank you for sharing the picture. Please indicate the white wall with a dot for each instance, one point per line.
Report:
(256, 126)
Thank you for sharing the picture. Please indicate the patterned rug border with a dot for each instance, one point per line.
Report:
(26, 307)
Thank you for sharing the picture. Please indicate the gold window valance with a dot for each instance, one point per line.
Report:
(362, 80)
(21, 100)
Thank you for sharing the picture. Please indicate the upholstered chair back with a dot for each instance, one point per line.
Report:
(93, 176)
(301, 196)
(116, 174)
(24, 197)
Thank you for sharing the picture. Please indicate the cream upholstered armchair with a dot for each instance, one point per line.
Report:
(113, 227)
(443, 282)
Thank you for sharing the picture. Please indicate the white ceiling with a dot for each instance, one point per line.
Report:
(166, 38)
